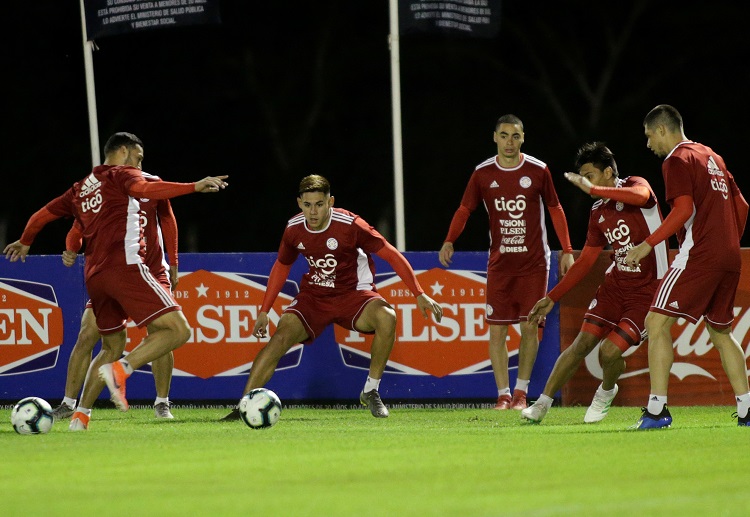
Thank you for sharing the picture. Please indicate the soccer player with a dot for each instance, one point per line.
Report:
(626, 212)
(338, 288)
(513, 187)
(159, 230)
(708, 215)
(107, 205)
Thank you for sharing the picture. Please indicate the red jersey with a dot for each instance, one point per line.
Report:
(708, 240)
(339, 255)
(514, 199)
(623, 226)
(110, 217)
(152, 211)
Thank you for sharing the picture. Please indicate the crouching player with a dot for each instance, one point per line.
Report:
(339, 288)
(625, 212)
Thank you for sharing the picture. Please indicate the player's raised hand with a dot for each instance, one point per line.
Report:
(540, 310)
(211, 184)
(446, 254)
(579, 181)
(427, 304)
(259, 330)
(69, 258)
(15, 251)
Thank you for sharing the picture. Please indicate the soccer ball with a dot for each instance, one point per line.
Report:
(260, 408)
(32, 415)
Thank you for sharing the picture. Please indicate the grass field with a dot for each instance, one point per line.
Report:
(464, 462)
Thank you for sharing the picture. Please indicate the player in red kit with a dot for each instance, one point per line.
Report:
(708, 215)
(160, 234)
(626, 212)
(106, 203)
(514, 189)
(338, 288)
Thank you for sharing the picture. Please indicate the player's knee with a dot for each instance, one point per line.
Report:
(385, 321)
(279, 344)
(718, 332)
(182, 332)
(87, 338)
(582, 347)
(609, 354)
(177, 326)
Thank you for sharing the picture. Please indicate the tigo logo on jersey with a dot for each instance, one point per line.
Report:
(222, 309)
(31, 327)
(455, 346)
(620, 233)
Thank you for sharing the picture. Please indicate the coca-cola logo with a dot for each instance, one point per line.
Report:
(515, 239)
(691, 343)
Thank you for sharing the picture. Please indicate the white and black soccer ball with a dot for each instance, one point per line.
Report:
(261, 408)
(32, 415)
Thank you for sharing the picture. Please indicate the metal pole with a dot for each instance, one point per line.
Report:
(398, 159)
(88, 64)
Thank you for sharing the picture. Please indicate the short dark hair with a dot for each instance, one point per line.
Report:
(597, 154)
(509, 119)
(666, 115)
(117, 140)
(314, 183)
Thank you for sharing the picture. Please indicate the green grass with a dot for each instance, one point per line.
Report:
(422, 462)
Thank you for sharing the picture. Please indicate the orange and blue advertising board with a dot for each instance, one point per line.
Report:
(41, 303)
(220, 295)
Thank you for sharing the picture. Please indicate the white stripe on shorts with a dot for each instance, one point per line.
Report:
(666, 287)
(155, 285)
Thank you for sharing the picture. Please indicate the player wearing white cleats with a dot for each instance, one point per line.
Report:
(615, 317)
(599, 407)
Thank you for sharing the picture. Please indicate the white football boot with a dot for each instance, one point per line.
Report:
(599, 407)
(535, 413)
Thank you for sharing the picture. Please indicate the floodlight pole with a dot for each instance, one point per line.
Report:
(88, 64)
(398, 158)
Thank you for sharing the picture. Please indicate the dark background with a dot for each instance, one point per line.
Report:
(282, 89)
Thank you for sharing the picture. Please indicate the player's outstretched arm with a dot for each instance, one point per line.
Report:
(15, 251)
(682, 209)
(211, 184)
(579, 181)
(427, 304)
(168, 189)
(276, 279)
